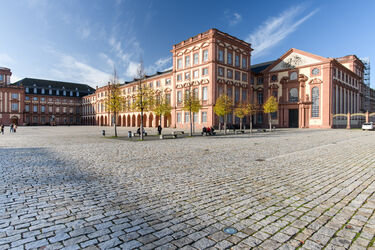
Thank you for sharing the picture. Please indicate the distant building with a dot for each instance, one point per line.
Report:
(11, 99)
(51, 102)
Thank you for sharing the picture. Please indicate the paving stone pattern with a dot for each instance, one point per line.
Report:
(68, 187)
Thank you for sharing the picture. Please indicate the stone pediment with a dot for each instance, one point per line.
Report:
(295, 60)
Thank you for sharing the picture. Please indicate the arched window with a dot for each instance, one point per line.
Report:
(293, 95)
(315, 102)
(293, 76)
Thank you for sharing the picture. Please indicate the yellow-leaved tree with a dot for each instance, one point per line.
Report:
(114, 101)
(192, 105)
(252, 109)
(162, 106)
(269, 107)
(241, 112)
(144, 96)
(223, 106)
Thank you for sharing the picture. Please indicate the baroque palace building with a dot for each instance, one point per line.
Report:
(310, 89)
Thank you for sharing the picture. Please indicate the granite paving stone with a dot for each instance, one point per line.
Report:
(286, 189)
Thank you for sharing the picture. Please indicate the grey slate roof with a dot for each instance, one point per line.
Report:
(83, 89)
(257, 68)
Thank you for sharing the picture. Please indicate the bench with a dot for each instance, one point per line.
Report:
(163, 136)
(136, 134)
(178, 132)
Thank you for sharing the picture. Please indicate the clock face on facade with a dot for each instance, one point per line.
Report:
(274, 78)
(315, 71)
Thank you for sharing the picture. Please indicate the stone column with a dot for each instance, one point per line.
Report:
(348, 121)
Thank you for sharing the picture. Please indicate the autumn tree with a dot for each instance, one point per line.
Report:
(252, 109)
(114, 101)
(241, 112)
(192, 105)
(144, 97)
(162, 106)
(223, 107)
(269, 107)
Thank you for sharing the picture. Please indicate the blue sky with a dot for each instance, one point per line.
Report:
(80, 41)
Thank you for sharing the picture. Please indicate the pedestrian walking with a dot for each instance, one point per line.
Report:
(14, 128)
(159, 129)
(11, 128)
(2, 129)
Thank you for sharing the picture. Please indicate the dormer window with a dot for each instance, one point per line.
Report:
(43, 91)
(57, 92)
(71, 93)
(77, 94)
(35, 90)
(64, 93)
(27, 89)
(50, 91)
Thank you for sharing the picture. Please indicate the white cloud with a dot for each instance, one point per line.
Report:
(160, 65)
(5, 60)
(275, 29)
(233, 18)
(14, 78)
(68, 68)
(131, 70)
(126, 53)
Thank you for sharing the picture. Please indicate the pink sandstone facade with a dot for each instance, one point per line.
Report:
(11, 99)
(310, 89)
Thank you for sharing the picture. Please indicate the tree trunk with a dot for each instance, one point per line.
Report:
(115, 124)
(225, 125)
(141, 130)
(160, 120)
(240, 124)
(191, 124)
(270, 121)
(251, 123)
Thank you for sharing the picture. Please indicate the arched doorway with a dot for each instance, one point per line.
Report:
(14, 120)
(124, 121)
(150, 120)
(105, 121)
(157, 120)
(133, 120)
(138, 120)
(128, 121)
(167, 121)
(144, 120)
(101, 121)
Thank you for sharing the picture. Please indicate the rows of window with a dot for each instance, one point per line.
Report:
(229, 58)
(187, 62)
(343, 76)
(187, 75)
(229, 74)
(50, 109)
(236, 93)
(186, 116)
(195, 93)
(51, 91)
(56, 100)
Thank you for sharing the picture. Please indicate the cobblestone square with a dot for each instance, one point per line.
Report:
(68, 187)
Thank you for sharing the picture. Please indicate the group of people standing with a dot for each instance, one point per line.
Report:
(13, 128)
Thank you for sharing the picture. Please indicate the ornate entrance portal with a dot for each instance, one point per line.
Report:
(293, 118)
